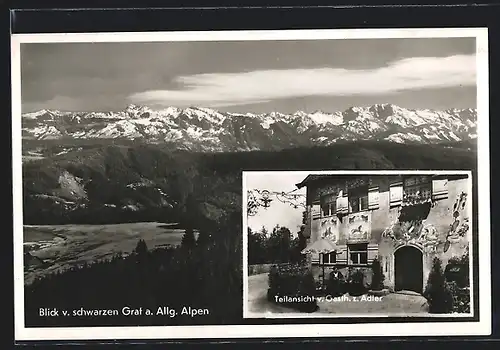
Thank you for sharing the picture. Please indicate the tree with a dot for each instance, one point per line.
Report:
(188, 240)
(378, 276)
(301, 236)
(204, 238)
(279, 244)
(257, 247)
(437, 292)
(264, 232)
(302, 239)
(298, 245)
(141, 248)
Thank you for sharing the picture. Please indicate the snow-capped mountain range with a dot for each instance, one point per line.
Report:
(204, 129)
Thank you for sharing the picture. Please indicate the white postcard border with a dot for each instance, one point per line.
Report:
(483, 327)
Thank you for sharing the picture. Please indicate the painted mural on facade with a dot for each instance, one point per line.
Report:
(460, 226)
(416, 231)
(358, 227)
(433, 217)
(330, 228)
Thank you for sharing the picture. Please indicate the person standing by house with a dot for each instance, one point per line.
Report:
(336, 285)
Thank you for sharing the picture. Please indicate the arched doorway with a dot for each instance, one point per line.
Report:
(408, 269)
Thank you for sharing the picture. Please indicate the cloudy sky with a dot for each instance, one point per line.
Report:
(251, 76)
(278, 213)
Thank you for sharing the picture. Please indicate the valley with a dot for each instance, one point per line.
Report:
(54, 248)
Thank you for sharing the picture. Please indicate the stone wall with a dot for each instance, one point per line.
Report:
(258, 269)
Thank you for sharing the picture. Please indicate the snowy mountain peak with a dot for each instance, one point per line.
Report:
(132, 107)
(208, 129)
(137, 111)
(385, 107)
(41, 113)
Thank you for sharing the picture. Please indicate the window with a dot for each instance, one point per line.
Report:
(358, 199)
(358, 254)
(330, 258)
(328, 205)
(417, 188)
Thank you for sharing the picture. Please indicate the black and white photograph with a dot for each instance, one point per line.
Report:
(377, 244)
(169, 179)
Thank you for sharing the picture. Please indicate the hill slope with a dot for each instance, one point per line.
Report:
(110, 183)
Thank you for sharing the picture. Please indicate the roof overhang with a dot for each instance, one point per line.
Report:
(311, 178)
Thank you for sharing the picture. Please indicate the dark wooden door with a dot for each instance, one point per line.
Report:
(408, 269)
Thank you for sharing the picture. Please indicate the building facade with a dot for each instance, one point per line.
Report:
(403, 220)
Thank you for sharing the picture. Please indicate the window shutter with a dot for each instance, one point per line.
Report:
(372, 252)
(315, 211)
(342, 255)
(439, 188)
(396, 194)
(339, 200)
(342, 205)
(373, 198)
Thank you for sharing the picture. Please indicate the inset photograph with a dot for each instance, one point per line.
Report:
(159, 186)
(358, 244)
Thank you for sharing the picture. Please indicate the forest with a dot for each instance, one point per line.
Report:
(277, 246)
(202, 273)
(163, 184)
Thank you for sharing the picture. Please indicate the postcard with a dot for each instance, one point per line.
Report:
(251, 184)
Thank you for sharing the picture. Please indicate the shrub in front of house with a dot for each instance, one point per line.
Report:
(292, 285)
(356, 283)
(457, 270)
(457, 280)
(461, 298)
(378, 276)
(437, 291)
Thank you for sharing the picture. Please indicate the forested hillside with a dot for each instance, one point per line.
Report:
(110, 183)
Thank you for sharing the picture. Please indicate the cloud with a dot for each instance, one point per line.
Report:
(227, 89)
(56, 102)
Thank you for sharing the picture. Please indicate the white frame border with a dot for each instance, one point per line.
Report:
(296, 315)
(483, 327)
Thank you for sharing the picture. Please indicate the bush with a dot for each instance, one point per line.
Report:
(457, 281)
(356, 285)
(292, 285)
(336, 285)
(437, 292)
(457, 270)
(461, 298)
(378, 276)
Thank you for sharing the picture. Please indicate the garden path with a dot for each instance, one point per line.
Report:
(394, 304)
